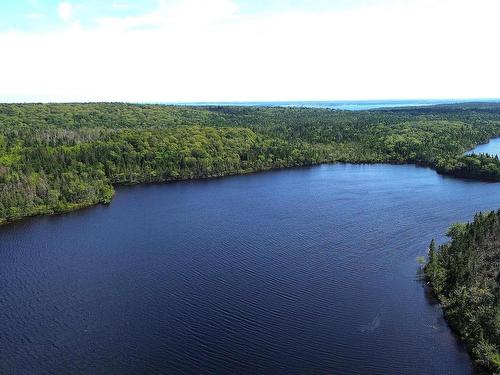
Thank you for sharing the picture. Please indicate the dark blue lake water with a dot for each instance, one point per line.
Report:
(296, 271)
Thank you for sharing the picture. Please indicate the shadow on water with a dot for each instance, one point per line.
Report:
(441, 325)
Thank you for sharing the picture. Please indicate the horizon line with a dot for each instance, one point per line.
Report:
(452, 100)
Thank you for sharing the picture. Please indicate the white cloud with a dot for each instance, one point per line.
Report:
(120, 5)
(36, 16)
(65, 11)
(191, 51)
(180, 14)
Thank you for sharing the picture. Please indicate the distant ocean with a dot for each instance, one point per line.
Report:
(350, 105)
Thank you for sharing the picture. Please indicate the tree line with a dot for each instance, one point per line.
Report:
(465, 275)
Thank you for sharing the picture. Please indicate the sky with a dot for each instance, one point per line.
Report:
(248, 50)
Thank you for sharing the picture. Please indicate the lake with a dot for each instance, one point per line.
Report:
(308, 270)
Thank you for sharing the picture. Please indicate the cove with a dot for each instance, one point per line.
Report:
(292, 271)
(491, 148)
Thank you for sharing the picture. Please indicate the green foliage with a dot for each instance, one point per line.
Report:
(465, 274)
(57, 171)
(481, 167)
(59, 157)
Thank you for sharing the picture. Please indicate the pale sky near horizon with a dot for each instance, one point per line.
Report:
(248, 50)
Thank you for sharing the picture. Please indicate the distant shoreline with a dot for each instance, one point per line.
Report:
(349, 105)
(344, 105)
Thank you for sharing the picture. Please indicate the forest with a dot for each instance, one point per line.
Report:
(61, 157)
(465, 275)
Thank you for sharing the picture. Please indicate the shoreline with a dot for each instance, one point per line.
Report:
(242, 173)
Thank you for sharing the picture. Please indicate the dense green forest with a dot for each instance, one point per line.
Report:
(60, 157)
(465, 275)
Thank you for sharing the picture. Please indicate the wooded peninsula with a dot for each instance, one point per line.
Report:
(465, 276)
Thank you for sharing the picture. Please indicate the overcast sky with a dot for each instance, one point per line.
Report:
(248, 50)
